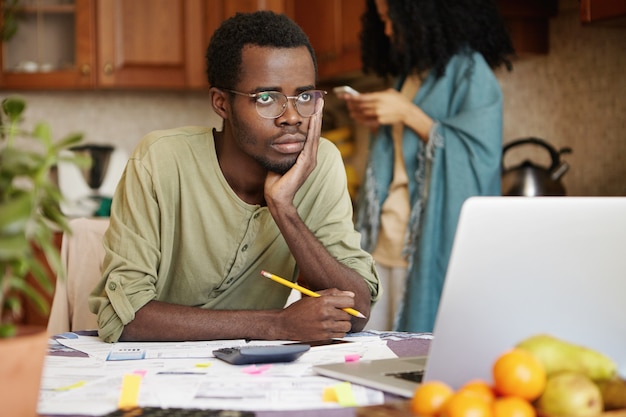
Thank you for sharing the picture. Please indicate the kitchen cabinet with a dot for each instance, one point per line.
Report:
(156, 44)
(217, 11)
(333, 26)
(528, 22)
(161, 44)
(116, 44)
(613, 11)
(53, 47)
(86, 44)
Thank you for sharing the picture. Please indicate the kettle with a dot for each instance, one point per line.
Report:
(530, 180)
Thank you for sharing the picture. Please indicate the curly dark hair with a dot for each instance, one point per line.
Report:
(261, 28)
(427, 33)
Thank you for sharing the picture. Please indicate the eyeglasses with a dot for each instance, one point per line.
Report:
(273, 104)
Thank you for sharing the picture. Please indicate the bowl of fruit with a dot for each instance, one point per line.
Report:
(541, 376)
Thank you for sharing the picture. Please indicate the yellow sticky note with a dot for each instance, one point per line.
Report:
(329, 395)
(69, 387)
(345, 396)
(130, 391)
(340, 393)
(203, 365)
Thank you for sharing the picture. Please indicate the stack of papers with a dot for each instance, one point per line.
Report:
(85, 376)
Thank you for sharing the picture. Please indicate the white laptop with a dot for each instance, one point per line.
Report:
(519, 266)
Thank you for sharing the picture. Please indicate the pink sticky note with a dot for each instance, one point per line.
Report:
(253, 369)
(352, 357)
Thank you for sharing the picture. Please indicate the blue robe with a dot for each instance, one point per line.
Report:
(461, 159)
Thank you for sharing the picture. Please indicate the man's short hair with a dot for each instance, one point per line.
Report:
(262, 28)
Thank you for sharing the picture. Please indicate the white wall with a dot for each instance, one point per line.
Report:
(118, 118)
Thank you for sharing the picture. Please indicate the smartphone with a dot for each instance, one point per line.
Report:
(345, 89)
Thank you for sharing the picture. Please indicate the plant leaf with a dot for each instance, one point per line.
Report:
(53, 258)
(13, 247)
(27, 289)
(51, 211)
(82, 161)
(14, 213)
(40, 275)
(68, 141)
(13, 107)
(9, 27)
(43, 133)
(7, 330)
(20, 162)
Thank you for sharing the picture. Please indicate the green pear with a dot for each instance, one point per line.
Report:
(570, 394)
(557, 355)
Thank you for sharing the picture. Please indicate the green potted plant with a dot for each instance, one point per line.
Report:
(29, 217)
(9, 24)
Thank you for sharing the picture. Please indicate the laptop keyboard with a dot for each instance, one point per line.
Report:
(177, 412)
(413, 376)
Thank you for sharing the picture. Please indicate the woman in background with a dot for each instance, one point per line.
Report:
(436, 140)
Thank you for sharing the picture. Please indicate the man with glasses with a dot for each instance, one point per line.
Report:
(199, 213)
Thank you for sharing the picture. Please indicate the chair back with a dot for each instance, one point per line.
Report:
(82, 253)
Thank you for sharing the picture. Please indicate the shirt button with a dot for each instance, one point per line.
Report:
(256, 215)
(112, 286)
(230, 280)
(244, 248)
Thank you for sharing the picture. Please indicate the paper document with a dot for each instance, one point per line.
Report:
(89, 380)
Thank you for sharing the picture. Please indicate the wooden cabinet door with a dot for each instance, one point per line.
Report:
(595, 10)
(230, 7)
(333, 26)
(156, 44)
(528, 23)
(69, 53)
(219, 10)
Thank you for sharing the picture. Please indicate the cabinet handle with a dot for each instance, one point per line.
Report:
(85, 69)
(108, 68)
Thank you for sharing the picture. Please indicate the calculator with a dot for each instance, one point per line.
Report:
(242, 355)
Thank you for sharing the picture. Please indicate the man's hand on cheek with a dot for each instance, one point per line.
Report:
(281, 189)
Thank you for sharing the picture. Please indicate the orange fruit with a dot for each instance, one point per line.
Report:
(517, 372)
(513, 407)
(429, 397)
(467, 404)
(480, 387)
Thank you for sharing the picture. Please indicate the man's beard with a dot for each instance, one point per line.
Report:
(245, 138)
(278, 167)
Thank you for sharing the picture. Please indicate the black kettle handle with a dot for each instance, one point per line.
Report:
(554, 154)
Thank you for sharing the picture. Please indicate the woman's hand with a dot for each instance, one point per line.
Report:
(380, 108)
(386, 108)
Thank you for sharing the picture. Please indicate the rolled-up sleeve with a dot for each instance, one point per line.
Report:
(129, 273)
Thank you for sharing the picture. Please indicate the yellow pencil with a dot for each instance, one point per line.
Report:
(306, 291)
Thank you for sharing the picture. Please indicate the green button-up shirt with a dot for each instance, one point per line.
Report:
(180, 234)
